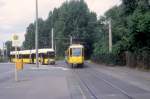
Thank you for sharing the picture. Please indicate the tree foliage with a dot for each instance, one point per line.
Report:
(72, 18)
(130, 28)
(9, 47)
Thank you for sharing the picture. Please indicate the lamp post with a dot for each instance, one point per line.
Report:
(36, 35)
(3, 51)
(110, 36)
(70, 40)
(52, 38)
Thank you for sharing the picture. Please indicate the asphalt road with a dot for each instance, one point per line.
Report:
(62, 82)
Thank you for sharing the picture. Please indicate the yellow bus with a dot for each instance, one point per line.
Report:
(46, 56)
(75, 55)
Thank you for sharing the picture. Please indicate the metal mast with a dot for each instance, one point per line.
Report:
(36, 35)
(52, 38)
(110, 36)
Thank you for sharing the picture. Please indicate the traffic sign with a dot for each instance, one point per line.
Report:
(15, 40)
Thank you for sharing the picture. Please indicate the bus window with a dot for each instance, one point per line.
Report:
(51, 54)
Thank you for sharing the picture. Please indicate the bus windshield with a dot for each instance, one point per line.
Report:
(51, 54)
(76, 51)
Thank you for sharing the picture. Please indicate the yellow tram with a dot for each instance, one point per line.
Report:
(46, 56)
(75, 55)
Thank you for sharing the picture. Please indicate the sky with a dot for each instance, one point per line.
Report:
(16, 15)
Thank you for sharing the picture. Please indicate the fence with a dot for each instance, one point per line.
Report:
(110, 58)
(134, 60)
(138, 60)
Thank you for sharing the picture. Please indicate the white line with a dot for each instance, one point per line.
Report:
(6, 63)
(49, 68)
(82, 93)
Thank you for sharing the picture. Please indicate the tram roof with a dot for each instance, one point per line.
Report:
(76, 46)
(45, 50)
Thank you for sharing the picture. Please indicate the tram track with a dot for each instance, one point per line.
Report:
(112, 85)
(93, 73)
(83, 83)
(95, 84)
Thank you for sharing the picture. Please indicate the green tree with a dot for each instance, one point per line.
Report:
(9, 47)
(29, 42)
(139, 27)
(72, 18)
(129, 6)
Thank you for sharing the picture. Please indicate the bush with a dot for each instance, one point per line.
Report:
(109, 58)
(1, 59)
(139, 59)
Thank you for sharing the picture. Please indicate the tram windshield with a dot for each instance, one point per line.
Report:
(76, 52)
(51, 54)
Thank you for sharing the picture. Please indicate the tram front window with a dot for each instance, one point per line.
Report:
(76, 52)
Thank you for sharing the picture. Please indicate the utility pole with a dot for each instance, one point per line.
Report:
(16, 57)
(110, 36)
(6, 53)
(55, 47)
(70, 40)
(52, 38)
(36, 35)
(3, 51)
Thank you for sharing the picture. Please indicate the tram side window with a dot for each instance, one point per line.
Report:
(67, 53)
(70, 52)
(43, 55)
(13, 56)
(20, 56)
(25, 56)
(32, 56)
(82, 51)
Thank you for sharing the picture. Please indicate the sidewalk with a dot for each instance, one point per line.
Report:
(135, 77)
(42, 83)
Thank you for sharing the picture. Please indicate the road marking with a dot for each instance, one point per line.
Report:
(6, 63)
(49, 68)
(82, 93)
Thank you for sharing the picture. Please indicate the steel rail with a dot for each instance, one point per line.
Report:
(85, 85)
(110, 84)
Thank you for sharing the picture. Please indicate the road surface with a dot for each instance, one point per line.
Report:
(61, 82)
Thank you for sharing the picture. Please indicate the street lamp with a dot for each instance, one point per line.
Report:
(36, 35)
(3, 51)
(70, 39)
(52, 38)
(110, 35)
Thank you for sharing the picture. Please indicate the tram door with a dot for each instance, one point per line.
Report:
(42, 58)
(32, 58)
